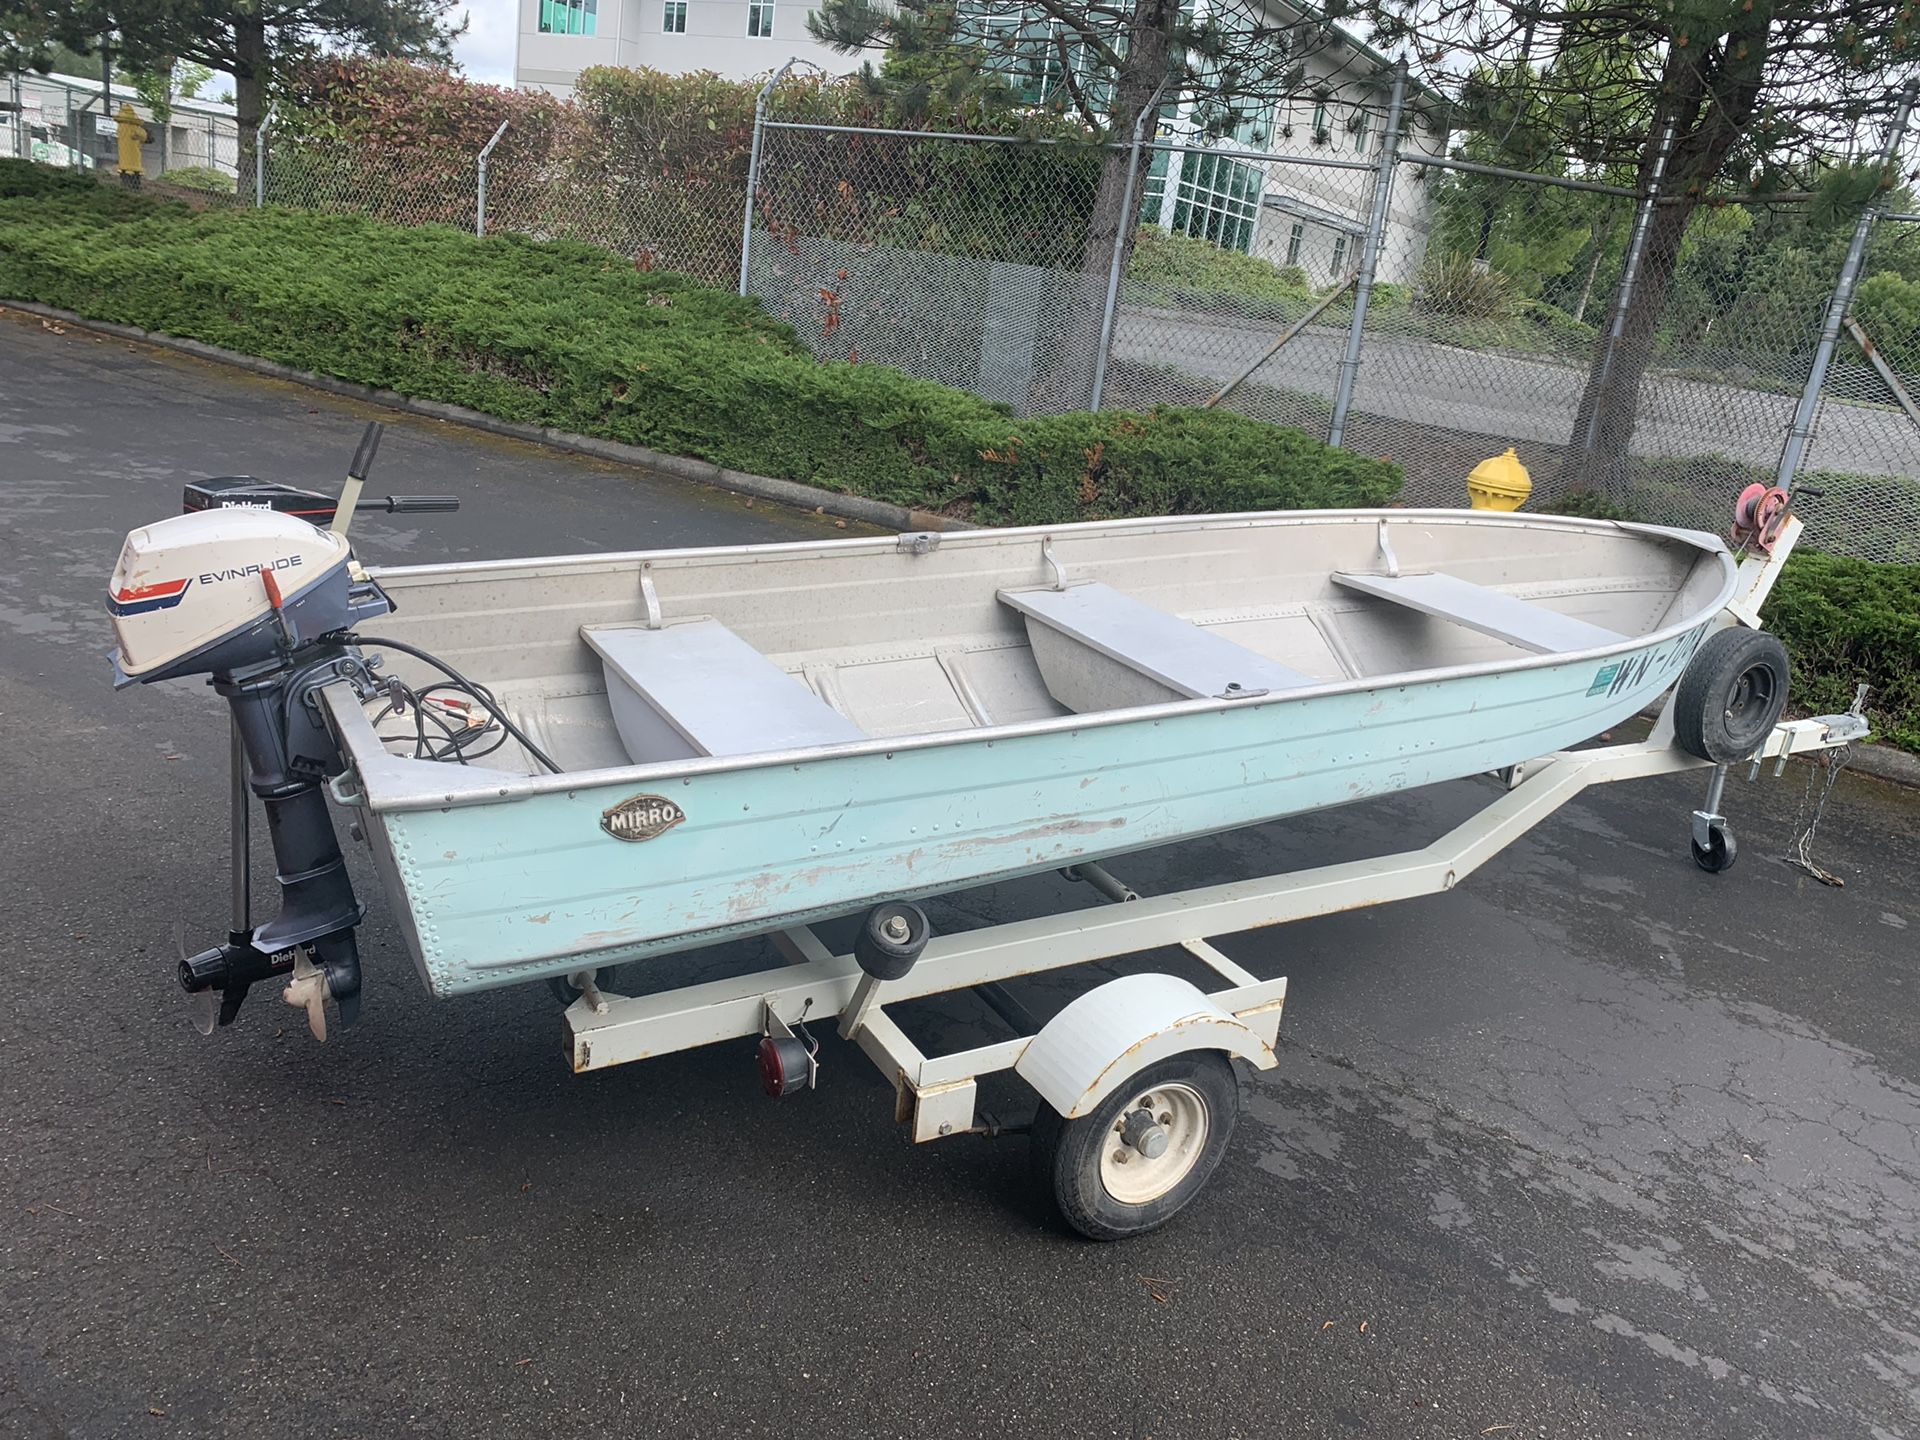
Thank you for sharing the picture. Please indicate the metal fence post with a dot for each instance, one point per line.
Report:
(1121, 245)
(260, 157)
(480, 182)
(1629, 280)
(1800, 432)
(76, 122)
(1369, 255)
(753, 163)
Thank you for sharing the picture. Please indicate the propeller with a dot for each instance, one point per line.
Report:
(307, 990)
(203, 1006)
(321, 975)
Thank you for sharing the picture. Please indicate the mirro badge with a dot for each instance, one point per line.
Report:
(643, 817)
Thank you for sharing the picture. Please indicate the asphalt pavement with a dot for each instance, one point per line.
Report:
(1593, 1145)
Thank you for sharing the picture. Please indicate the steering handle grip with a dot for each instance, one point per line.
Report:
(369, 447)
(421, 504)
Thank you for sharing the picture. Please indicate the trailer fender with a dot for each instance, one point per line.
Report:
(1112, 1032)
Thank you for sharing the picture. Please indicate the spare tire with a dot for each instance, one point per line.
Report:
(1730, 695)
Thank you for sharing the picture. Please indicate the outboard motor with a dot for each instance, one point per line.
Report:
(244, 589)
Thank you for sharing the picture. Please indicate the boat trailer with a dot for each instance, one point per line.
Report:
(1137, 1090)
(1094, 1059)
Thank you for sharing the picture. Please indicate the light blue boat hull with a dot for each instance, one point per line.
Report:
(527, 885)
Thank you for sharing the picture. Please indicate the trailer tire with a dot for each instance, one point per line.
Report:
(1730, 695)
(1081, 1163)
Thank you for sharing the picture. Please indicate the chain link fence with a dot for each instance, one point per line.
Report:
(658, 201)
(956, 258)
(1492, 317)
(1240, 288)
(1864, 456)
(67, 122)
(1489, 297)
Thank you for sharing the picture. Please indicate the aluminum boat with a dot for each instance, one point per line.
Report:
(751, 738)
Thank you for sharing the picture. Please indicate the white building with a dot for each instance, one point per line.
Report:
(1301, 214)
(739, 39)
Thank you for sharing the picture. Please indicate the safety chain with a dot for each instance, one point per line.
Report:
(1801, 852)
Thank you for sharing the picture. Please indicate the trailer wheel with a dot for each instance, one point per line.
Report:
(1146, 1150)
(1730, 695)
(1718, 853)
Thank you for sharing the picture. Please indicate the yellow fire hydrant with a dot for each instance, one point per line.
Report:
(132, 136)
(1499, 483)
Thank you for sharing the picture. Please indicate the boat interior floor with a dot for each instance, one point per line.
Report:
(693, 687)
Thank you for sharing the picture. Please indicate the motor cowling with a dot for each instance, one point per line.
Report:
(224, 590)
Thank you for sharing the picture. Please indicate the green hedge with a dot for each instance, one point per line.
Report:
(1845, 621)
(569, 336)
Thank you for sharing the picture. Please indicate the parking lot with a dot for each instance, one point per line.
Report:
(1593, 1145)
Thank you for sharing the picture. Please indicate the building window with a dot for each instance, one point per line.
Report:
(674, 18)
(568, 17)
(1339, 257)
(1153, 190)
(760, 17)
(1320, 119)
(1295, 238)
(1218, 200)
(1361, 120)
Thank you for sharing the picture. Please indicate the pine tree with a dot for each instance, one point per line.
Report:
(1742, 93)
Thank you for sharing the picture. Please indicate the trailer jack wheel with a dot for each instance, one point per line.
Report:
(1137, 1159)
(1718, 852)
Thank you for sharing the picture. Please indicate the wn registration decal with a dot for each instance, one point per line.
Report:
(1661, 661)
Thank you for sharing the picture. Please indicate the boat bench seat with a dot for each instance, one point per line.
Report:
(695, 688)
(1491, 612)
(1099, 648)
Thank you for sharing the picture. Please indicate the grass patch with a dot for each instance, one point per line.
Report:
(570, 336)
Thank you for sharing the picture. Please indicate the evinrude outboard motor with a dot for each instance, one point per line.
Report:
(244, 589)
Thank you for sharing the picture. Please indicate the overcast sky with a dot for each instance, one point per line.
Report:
(485, 52)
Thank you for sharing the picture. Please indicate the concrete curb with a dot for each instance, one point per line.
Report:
(675, 467)
(1883, 762)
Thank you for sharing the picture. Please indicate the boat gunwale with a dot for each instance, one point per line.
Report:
(678, 557)
(392, 783)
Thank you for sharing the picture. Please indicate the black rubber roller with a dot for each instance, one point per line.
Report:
(891, 939)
